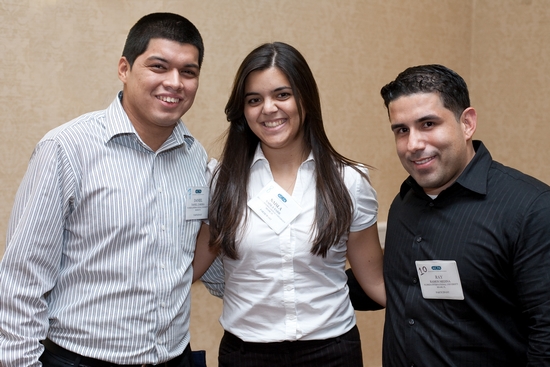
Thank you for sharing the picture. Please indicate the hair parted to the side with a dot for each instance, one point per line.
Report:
(434, 78)
(333, 212)
(168, 26)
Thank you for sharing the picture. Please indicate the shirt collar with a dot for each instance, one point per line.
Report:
(473, 178)
(118, 123)
(259, 155)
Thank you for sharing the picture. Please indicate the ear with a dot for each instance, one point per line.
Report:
(123, 69)
(469, 122)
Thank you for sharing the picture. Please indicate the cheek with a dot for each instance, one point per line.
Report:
(249, 114)
(191, 87)
(445, 144)
(401, 146)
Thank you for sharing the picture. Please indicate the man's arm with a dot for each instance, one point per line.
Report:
(214, 279)
(532, 277)
(30, 265)
(204, 255)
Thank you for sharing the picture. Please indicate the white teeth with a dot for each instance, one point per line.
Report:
(168, 99)
(423, 161)
(273, 123)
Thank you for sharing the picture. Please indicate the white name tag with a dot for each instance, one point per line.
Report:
(196, 206)
(275, 206)
(439, 279)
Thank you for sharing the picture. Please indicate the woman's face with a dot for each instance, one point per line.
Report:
(271, 110)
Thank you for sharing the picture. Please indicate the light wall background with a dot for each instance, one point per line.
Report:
(58, 59)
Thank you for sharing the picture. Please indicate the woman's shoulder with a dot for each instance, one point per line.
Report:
(356, 171)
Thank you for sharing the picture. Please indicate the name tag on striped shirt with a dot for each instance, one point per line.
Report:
(196, 206)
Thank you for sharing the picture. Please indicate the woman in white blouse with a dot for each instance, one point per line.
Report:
(286, 211)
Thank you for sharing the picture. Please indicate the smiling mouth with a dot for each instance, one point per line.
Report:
(423, 161)
(274, 123)
(168, 99)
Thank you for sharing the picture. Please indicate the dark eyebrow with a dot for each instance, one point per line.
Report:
(162, 59)
(396, 126)
(418, 121)
(428, 118)
(281, 88)
(157, 58)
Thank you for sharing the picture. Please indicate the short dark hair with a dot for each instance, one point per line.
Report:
(168, 26)
(450, 86)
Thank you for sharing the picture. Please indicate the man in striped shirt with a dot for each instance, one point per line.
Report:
(97, 269)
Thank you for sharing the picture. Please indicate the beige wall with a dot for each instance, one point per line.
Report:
(58, 60)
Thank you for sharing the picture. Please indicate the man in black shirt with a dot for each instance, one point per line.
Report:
(467, 250)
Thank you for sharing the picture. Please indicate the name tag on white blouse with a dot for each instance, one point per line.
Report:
(196, 206)
(275, 206)
(439, 279)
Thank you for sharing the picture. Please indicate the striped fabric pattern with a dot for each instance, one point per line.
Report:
(98, 248)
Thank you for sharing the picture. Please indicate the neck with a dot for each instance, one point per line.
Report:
(152, 135)
(154, 140)
(284, 166)
(284, 159)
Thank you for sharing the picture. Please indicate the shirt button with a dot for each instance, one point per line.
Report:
(431, 204)
(415, 280)
(411, 322)
(418, 239)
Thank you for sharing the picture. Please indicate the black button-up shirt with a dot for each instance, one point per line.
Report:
(494, 222)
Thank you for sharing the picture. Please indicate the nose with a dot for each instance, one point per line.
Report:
(269, 106)
(173, 79)
(415, 141)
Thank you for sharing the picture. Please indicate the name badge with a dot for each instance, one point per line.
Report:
(439, 279)
(275, 207)
(196, 206)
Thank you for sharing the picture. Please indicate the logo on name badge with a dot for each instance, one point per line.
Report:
(283, 199)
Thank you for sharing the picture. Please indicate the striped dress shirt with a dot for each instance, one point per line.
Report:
(99, 249)
(494, 221)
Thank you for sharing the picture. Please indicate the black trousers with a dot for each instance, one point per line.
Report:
(56, 356)
(342, 351)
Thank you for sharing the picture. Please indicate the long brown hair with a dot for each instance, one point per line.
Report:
(227, 214)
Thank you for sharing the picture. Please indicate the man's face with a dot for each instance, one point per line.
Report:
(161, 85)
(434, 148)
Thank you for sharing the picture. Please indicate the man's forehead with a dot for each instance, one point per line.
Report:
(158, 47)
(419, 97)
(415, 107)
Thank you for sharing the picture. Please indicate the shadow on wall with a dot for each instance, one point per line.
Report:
(382, 233)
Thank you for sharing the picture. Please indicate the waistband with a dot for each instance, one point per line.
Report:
(92, 362)
(285, 346)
